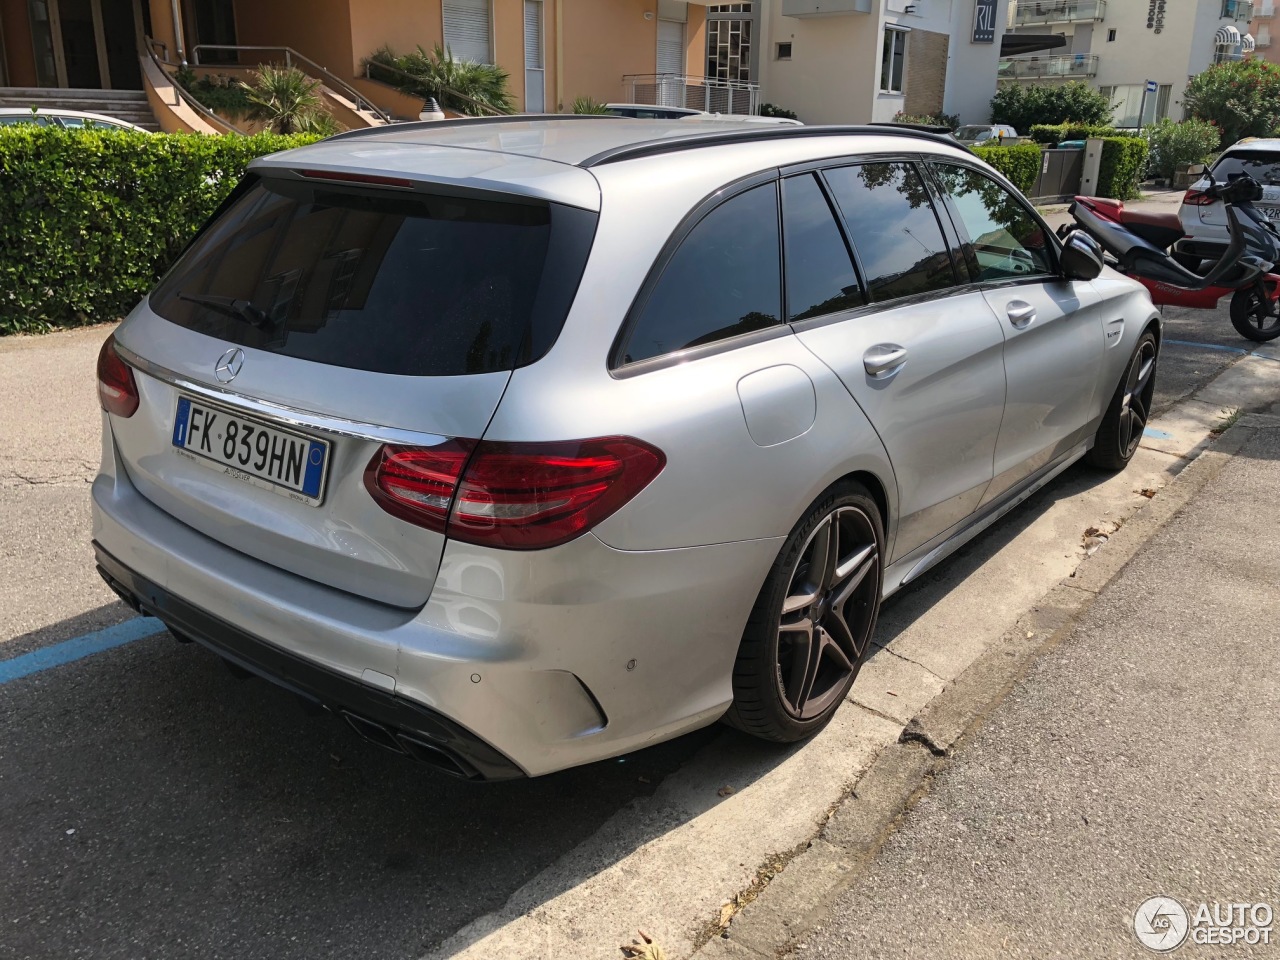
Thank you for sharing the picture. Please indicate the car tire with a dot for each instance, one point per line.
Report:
(811, 627)
(1120, 432)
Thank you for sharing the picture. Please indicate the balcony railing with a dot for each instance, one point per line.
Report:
(1049, 68)
(1227, 55)
(1240, 10)
(1030, 12)
(696, 93)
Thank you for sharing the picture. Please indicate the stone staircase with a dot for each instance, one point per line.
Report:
(128, 105)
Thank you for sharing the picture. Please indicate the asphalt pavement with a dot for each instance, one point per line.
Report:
(1137, 759)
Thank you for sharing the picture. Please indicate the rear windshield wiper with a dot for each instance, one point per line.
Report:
(229, 306)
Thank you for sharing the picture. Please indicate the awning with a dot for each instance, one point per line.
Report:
(1227, 36)
(1013, 44)
(1247, 43)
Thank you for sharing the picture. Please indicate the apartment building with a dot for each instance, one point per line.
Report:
(1260, 27)
(554, 50)
(1120, 46)
(855, 61)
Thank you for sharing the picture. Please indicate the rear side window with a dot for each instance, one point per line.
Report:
(722, 281)
(1262, 165)
(820, 274)
(411, 284)
(895, 230)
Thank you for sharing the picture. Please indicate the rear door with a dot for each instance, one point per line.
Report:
(310, 325)
(1052, 327)
(919, 353)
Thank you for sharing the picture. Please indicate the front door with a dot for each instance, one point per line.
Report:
(1052, 327)
(920, 354)
(86, 44)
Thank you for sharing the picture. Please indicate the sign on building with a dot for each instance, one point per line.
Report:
(984, 21)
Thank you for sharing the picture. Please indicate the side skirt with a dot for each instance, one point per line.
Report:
(916, 563)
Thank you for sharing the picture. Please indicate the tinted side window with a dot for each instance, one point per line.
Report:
(1005, 241)
(819, 271)
(722, 281)
(890, 217)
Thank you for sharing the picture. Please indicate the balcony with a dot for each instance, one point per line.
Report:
(695, 93)
(803, 9)
(1227, 55)
(1033, 12)
(1077, 66)
(1238, 10)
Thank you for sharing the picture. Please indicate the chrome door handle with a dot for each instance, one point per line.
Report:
(1021, 314)
(884, 360)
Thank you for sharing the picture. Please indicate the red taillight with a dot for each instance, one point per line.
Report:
(117, 391)
(522, 496)
(1198, 198)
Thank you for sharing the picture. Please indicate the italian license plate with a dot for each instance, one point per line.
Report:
(1272, 213)
(249, 450)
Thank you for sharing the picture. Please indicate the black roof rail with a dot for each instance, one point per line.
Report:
(919, 127)
(467, 121)
(755, 132)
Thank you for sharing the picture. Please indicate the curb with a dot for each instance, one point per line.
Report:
(800, 897)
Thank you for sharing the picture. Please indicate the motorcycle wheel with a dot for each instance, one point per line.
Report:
(1254, 316)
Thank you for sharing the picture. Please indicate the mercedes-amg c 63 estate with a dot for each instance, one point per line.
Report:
(526, 442)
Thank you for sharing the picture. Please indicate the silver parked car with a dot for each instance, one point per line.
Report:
(526, 442)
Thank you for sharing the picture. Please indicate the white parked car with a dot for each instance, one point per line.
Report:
(1204, 220)
(986, 134)
(71, 119)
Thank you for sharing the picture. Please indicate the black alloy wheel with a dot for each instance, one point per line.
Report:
(811, 628)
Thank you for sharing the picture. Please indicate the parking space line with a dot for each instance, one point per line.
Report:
(68, 651)
(1206, 346)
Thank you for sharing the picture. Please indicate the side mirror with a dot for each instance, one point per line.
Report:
(1081, 257)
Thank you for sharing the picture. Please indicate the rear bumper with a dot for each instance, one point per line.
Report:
(393, 722)
(550, 659)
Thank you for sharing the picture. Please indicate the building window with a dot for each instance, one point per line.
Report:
(729, 45)
(1111, 35)
(468, 29)
(784, 51)
(893, 60)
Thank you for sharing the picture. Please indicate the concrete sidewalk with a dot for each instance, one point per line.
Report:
(1137, 758)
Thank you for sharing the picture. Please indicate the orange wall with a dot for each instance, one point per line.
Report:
(318, 29)
(401, 25)
(695, 40)
(604, 39)
(20, 60)
(508, 42)
(162, 26)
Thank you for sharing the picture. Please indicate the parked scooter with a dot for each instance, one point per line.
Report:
(1141, 245)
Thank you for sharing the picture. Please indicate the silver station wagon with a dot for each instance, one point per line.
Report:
(526, 442)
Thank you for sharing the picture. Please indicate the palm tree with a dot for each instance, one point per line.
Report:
(476, 89)
(286, 99)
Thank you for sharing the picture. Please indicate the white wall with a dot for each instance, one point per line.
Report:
(971, 67)
(834, 73)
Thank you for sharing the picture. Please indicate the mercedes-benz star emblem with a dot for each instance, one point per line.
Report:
(229, 364)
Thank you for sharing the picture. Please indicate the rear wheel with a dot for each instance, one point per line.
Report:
(811, 626)
(1120, 432)
(1254, 315)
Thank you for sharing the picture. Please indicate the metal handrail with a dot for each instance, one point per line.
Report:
(290, 55)
(152, 44)
(490, 111)
(1058, 11)
(185, 95)
(665, 81)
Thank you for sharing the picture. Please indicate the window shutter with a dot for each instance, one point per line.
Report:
(670, 47)
(467, 29)
(533, 34)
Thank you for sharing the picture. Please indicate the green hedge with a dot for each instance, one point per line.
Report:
(1124, 159)
(1053, 133)
(90, 219)
(1021, 164)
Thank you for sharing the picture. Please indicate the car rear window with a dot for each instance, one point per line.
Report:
(414, 284)
(1262, 165)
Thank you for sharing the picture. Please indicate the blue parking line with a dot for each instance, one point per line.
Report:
(1206, 346)
(69, 651)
